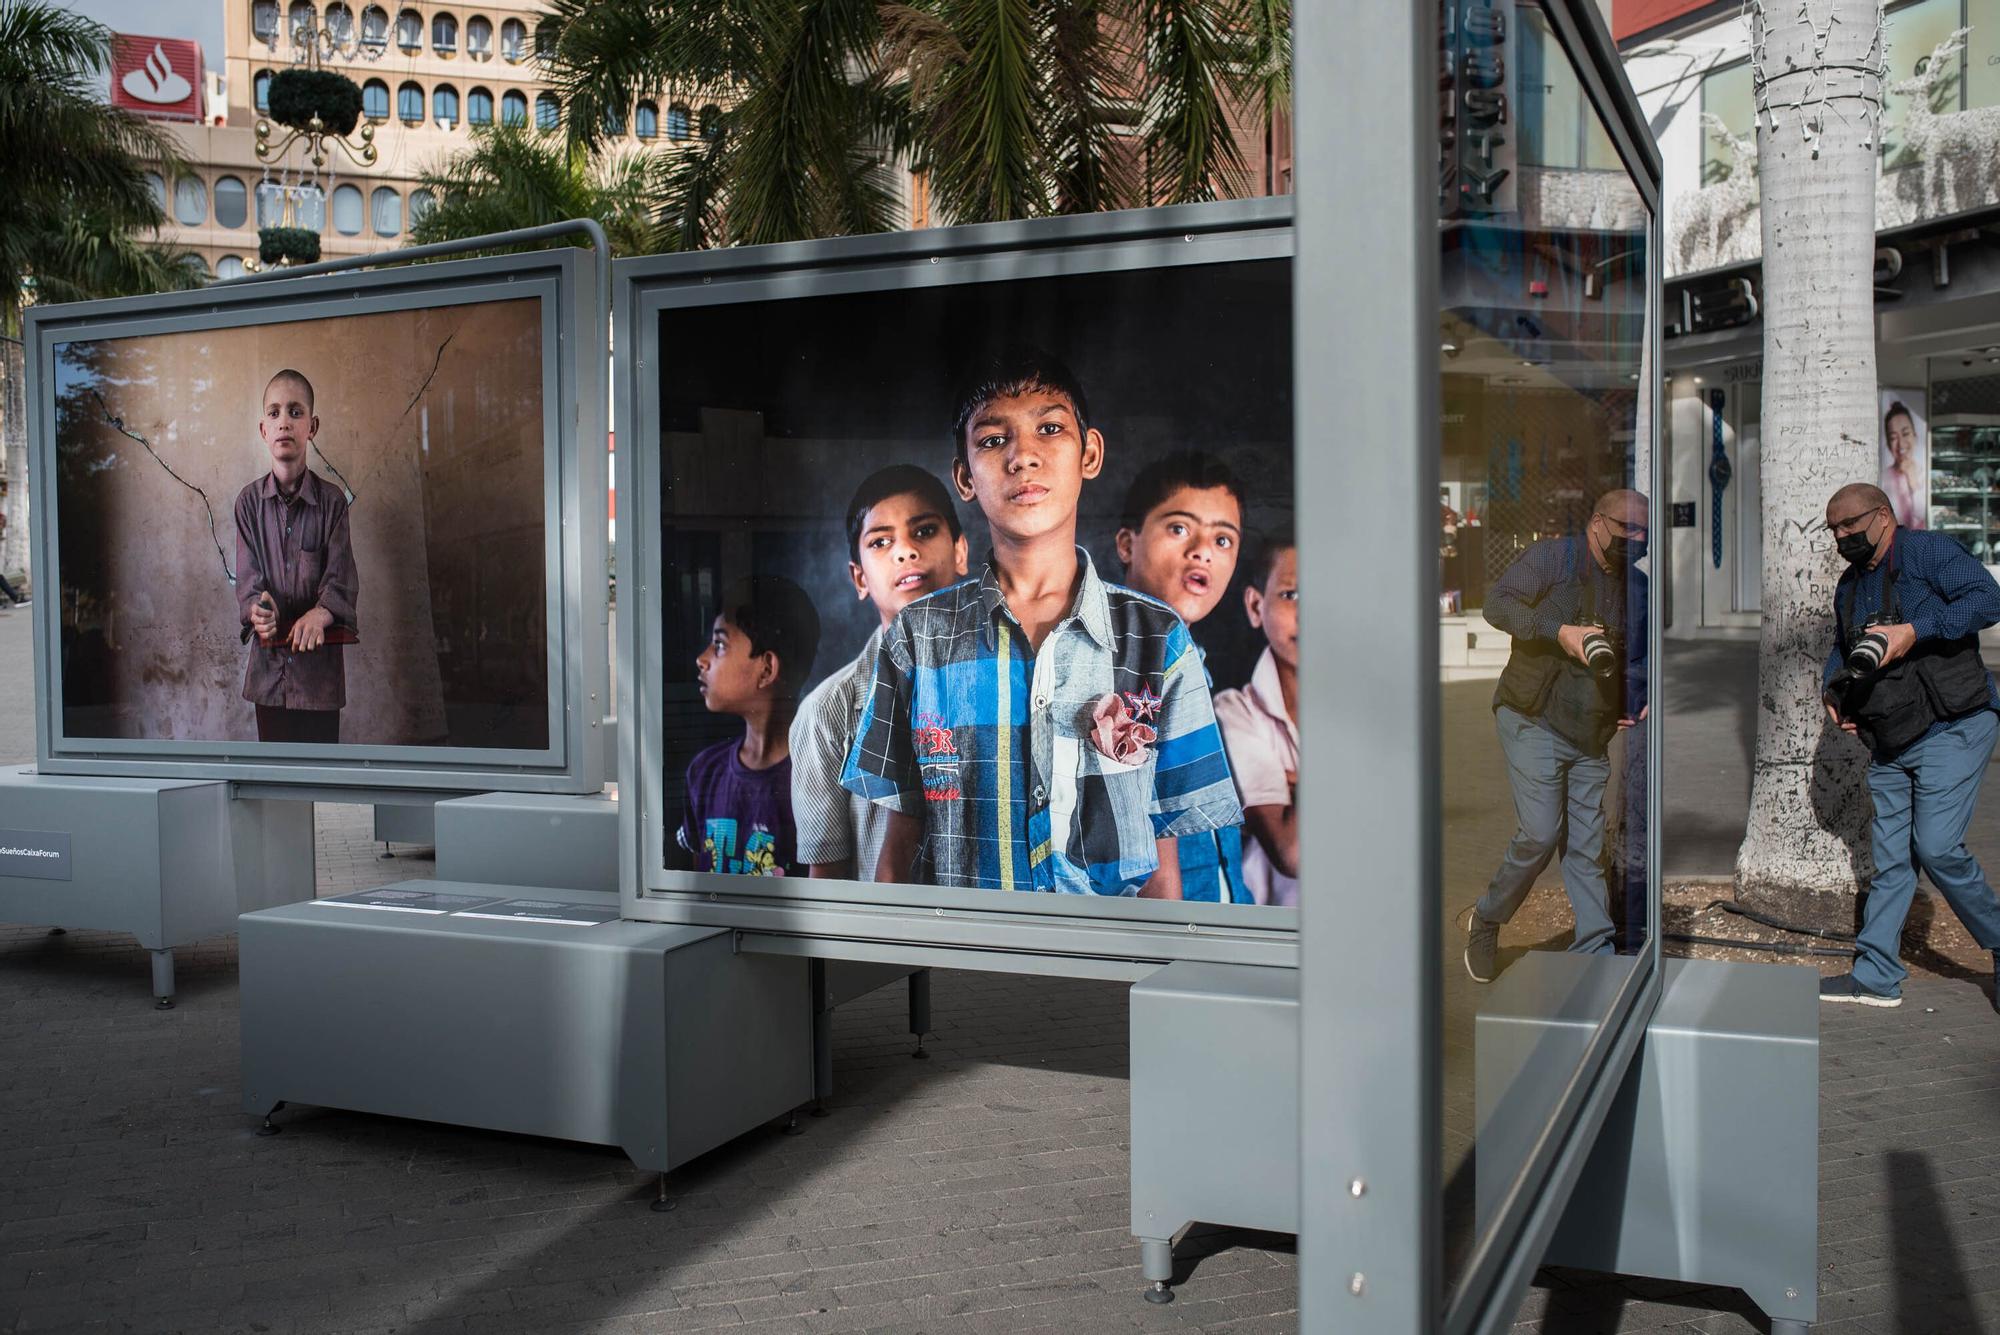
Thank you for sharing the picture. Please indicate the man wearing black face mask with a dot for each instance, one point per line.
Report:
(1557, 713)
(1928, 715)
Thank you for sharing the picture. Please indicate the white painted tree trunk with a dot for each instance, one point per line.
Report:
(1818, 69)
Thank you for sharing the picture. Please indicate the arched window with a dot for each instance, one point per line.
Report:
(711, 121)
(545, 38)
(375, 28)
(479, 38)
(444, 34)
(270, 204)
(387, 207)
(677, 121)
(548, 112)
(311, 211)
(421, 201)
(347, 210)
(479, 107)
(410, 103)
(307, 206)
(646, 121)
(410, 31)
(229, 266)
(444, 105)
(514, 41)
(375, 100)
(614, 123)
(264, 21)
(299, 21)
(190, 201)
(340, 22)
(513, 108)
(232, 202)
(158, 186)
(260, 88)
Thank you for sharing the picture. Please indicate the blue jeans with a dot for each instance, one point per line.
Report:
(1557, 789)
(1923, 802)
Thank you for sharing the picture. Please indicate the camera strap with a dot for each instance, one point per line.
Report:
(1892, 605)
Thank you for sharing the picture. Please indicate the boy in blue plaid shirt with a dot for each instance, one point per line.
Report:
(1037, 728)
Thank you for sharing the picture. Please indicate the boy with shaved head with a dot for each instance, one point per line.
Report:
(1904, 675)
(1557, 712)
(296, 585)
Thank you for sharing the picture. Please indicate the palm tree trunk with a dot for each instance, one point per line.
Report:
(1817, 66)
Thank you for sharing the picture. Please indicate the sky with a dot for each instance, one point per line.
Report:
(198, 19)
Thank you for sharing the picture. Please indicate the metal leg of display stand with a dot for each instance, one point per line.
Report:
(920, 1010)
(163, 979)
(271, 1128)
(1156, 1263)
(663, 1203)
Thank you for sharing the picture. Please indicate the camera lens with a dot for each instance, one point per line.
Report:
(1866, 655)
(1597, 653)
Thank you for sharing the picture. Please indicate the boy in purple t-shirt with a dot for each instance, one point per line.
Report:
(739, 792)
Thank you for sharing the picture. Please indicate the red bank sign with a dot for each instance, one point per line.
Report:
(157, 76)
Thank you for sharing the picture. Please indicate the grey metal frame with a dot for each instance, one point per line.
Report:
(897, 924)
(1369, 1247)
(570, 284)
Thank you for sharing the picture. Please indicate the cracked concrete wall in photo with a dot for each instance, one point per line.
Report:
(431, 419)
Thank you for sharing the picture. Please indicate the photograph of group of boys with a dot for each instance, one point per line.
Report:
(312, 532)
(1007, 603)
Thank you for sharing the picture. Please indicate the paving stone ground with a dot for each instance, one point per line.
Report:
(984, 1190)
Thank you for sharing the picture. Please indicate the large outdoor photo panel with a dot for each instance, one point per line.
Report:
(981, 585)
(314, 532)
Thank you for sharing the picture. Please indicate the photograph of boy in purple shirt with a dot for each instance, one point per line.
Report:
(296, 582)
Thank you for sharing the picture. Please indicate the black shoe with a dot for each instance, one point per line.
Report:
(1842, 987)
(1482, 944)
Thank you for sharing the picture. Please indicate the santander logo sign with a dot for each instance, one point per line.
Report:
(159, 77)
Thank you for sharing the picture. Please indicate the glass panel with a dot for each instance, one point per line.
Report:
(347, 210)
(260, 88)
(158, 186)
(190, 201)
(229, 266)
(409, 30)
(444, 34)
(1982, 53)
(514, 40)
(375, 100)
(264, 21)
(388, 209)
(1909, 35)
(479, 38)
(1543, 599)
(375, 27)
(545, 38)
(420, 204)
(614, 123)
(711, 121)
(232, 202)
(340, 23)
(309, 208)
(677, 121)
(513, 108)
(444, 105)
(410, 102)
(646, 121)
(300, 20)
(548, 112)
(479, 107)
(1727, 95)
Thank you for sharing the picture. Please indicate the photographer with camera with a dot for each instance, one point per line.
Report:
(1905, 676)
(1577, 608)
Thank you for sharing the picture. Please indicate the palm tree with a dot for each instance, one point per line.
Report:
(1818, 79)
(513, 177)
(74, 199)
(1021, 108)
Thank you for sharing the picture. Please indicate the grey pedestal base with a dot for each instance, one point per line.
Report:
(169, 861)
(662, 1041)
(405, 823)
(1215, 1106)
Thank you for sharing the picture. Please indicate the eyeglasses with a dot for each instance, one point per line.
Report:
(1620, 528)
(1853, 523)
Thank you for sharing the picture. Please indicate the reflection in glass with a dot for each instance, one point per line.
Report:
(1544, 518)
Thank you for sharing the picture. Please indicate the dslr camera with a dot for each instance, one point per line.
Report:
(1600, 652)
(1866, 647)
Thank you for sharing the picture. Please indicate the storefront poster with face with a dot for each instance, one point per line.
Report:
(985, 586)
(1905, 455)
(318, 531)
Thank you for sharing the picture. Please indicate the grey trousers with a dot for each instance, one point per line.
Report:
(1558, 802)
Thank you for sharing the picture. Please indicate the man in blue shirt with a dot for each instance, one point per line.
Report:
(1556, 715)
(1928, 714)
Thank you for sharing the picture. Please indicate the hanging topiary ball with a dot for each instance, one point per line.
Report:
(287, 245)
(296, 95)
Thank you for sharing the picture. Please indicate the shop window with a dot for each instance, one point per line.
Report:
(677, 121)
(409, 31)
(387, 207)
(229, 266)
(264, 21)
(410, 103)
(347, 210)
(1726, 94)
(646, 121)
(260, 90)
(548, 112)
(232, 202)
(190, 201)
(479, 107)
(514, 41)
(1910, 34)
(1982, 53)
(711, 122)
(444, 106)
(479, 38)
(375, 28)
(444, 35)
(513, 108)
(375, 100)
